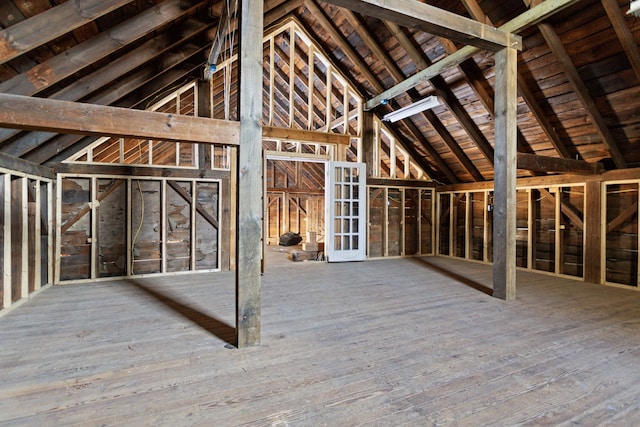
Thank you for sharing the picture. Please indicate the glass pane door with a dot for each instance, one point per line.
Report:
(346, 210)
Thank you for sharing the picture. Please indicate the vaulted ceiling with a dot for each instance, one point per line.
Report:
(578, 74)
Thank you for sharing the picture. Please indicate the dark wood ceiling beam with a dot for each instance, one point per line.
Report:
(433, 20)
(581, 91)
(46, 26)
(421, 62)
(84, 54)
(32, 140)
(342, 43)
(280, 10)
(61, 147)
(543, 118)
(624, 33)
(397, 74)
(362, 67)
(84, 86)
(25, 166)
(26, 112)
(554, 164)
(470, 68)
(525, 20)
(431, 152)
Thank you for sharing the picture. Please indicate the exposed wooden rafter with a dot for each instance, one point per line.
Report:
(521, 22)
(433, 20)
(556, 46)
(44, 27)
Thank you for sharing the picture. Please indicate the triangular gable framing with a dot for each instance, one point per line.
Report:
(315, 104)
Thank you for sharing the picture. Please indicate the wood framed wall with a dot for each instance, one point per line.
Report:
(582, 227)
(121, 226)
(26, 236)
(400, 219)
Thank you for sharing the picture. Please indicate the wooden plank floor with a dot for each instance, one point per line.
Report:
(388, 342)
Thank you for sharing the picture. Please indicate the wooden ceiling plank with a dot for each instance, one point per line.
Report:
(570, 71)
(519, 23)
(624, 34)
(436, 21)
(339, 39)
(421, 62)
(542, 117)
(277, 12)
(45, 27)
(87, 119)
(84, 86)
(95, 49)
(399, 76)
(471, 71)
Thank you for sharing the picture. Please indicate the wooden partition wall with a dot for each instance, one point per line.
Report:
(584, 228)
(117, 226)
(400, 221)
(26, 236)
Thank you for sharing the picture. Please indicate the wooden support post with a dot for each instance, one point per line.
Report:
(504, 232)
(593, 232)
(249, 170)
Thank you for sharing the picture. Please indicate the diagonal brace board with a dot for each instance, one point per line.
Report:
(199, 208)
(433, 20)
(531, 17)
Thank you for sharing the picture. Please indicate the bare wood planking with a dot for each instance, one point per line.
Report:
(24, 112)
(54, 70)
(525, 20)
(341, 345)
(435, 21)
(44, 27)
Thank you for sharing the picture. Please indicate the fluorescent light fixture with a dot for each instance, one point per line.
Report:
(415, 108)
(634, 8)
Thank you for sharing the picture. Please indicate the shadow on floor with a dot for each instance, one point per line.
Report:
(457, 277)
(210, 324)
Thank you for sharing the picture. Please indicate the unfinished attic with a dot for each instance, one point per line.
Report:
(463, 174)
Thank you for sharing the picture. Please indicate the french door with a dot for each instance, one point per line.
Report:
(345, 204)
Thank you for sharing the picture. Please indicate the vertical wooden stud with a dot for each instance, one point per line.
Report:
(249, 172)
(7, 258)
(531, 241)
(24, 262)
(504, 232)
(50, 237)
(37, 273)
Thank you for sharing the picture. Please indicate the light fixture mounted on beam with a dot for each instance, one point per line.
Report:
(634, 8)
(415, 108)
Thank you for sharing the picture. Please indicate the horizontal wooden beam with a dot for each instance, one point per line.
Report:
(24, 166)
(436, 21)
(296, 191)
(537, 163)
(530, 17)
(305, 135)
(28, 113)
(388, 182)
(124, 170)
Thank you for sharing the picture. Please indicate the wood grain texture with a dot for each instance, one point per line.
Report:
(341, 346)
(25, 112)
